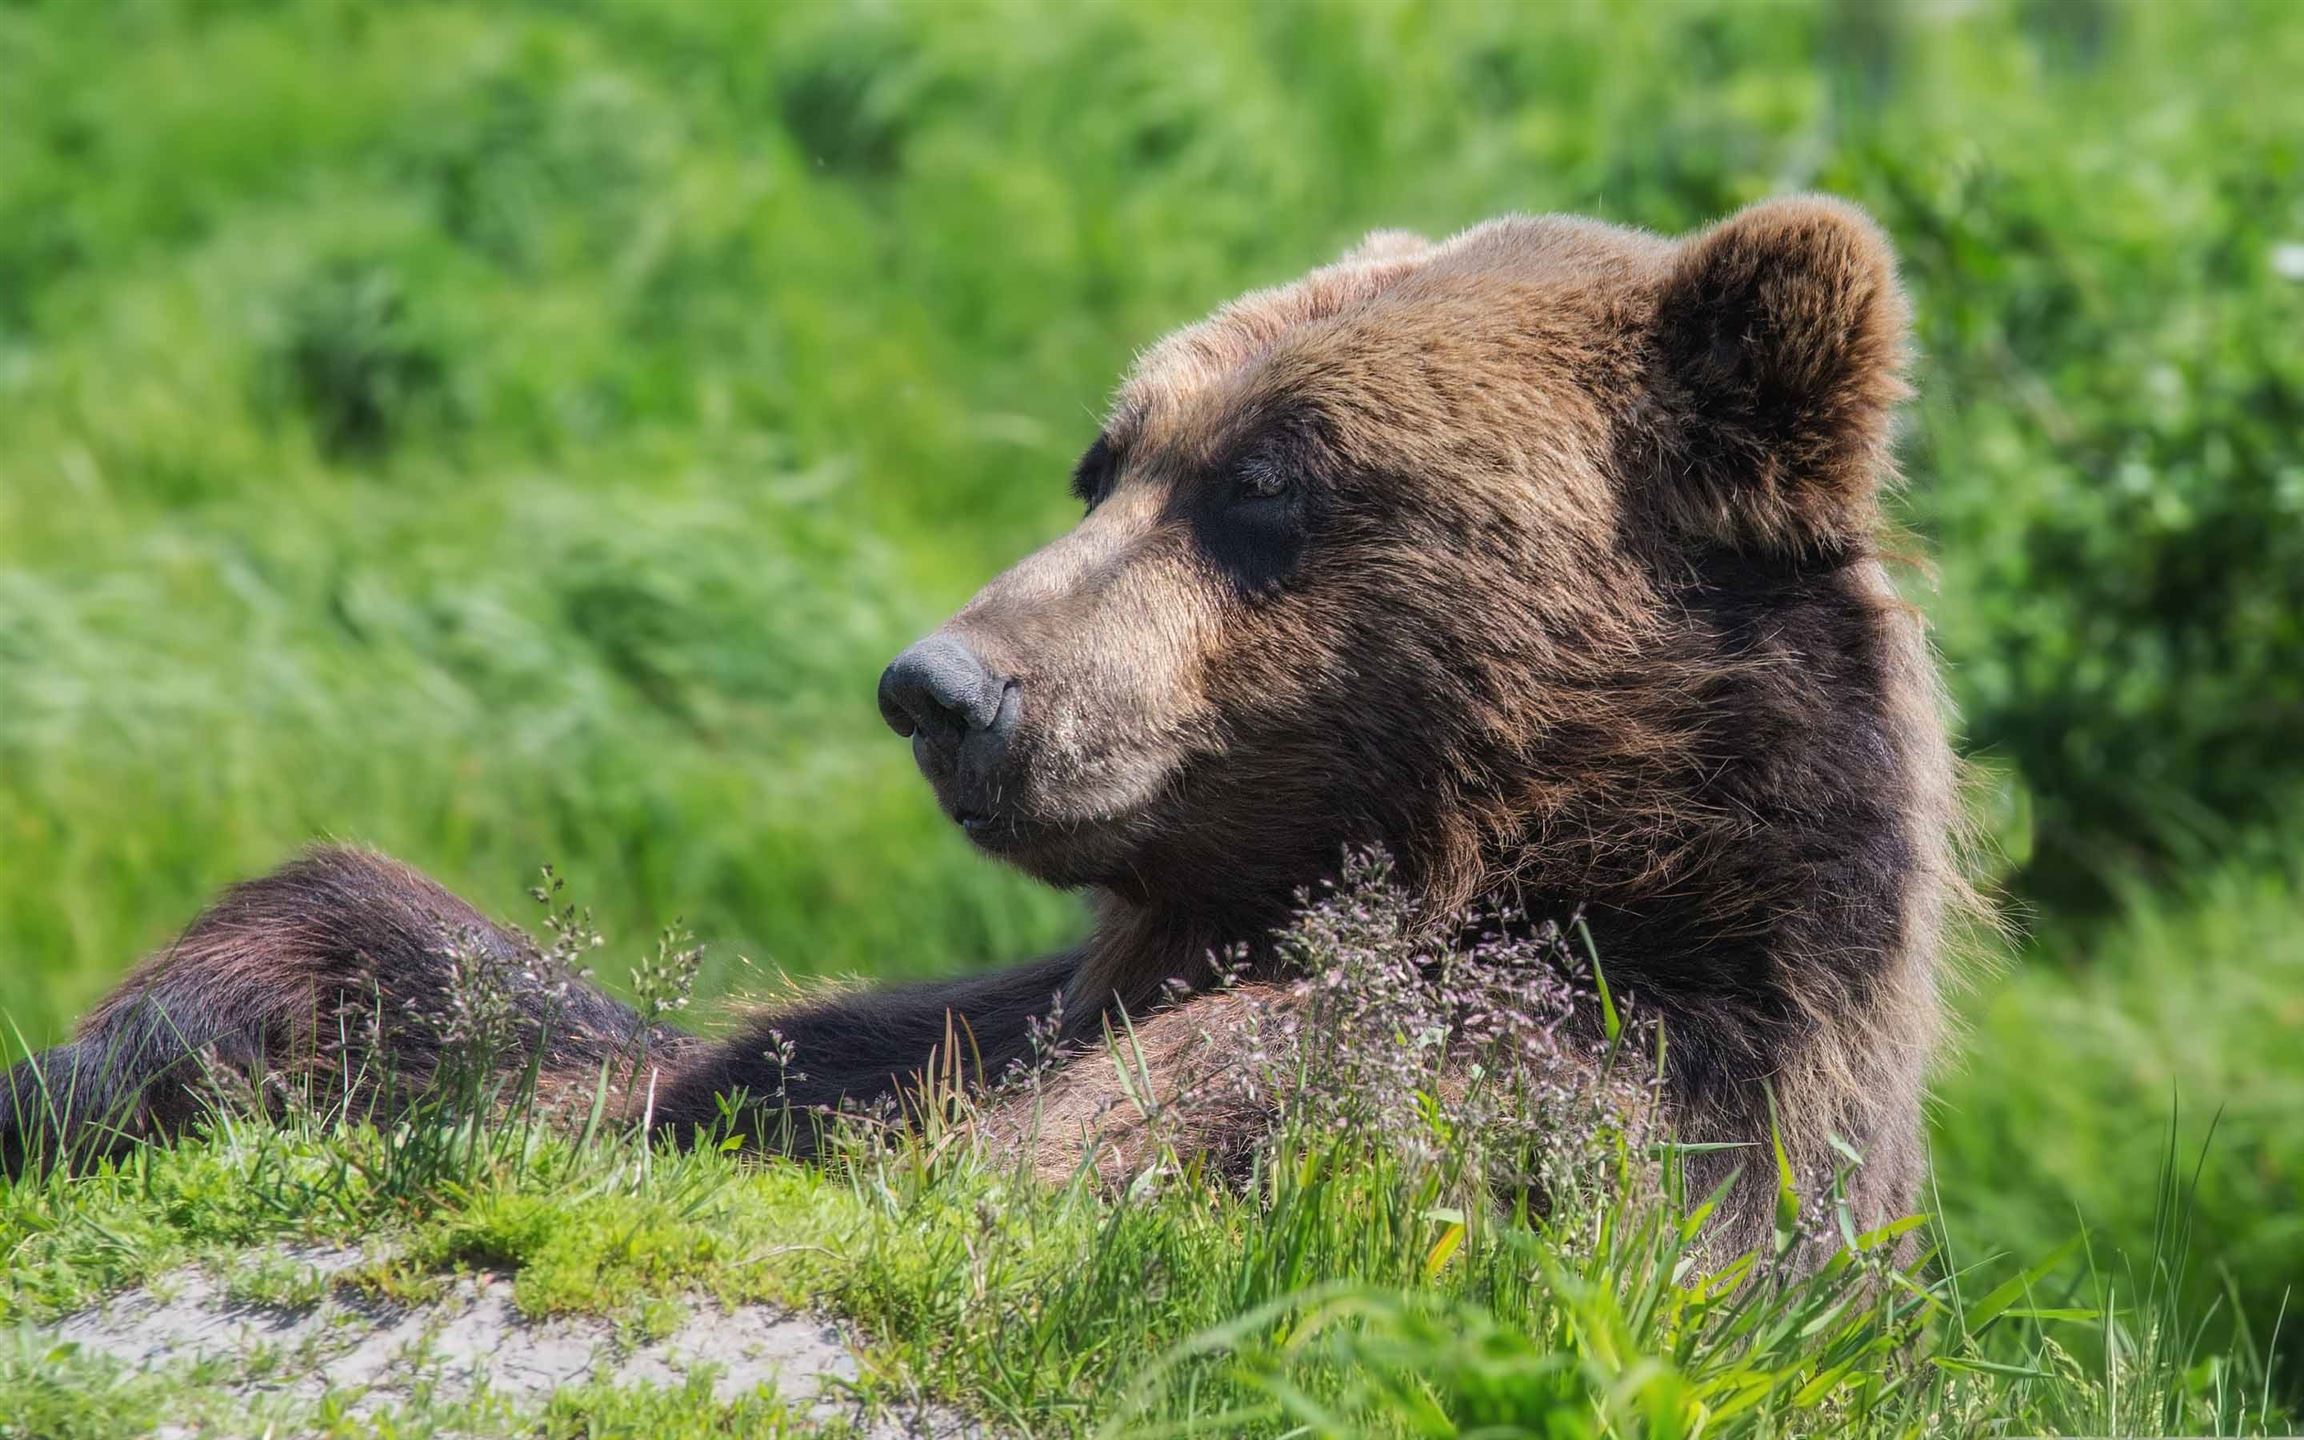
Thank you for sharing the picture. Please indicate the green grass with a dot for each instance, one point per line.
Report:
(1348, 1290)
(1367, 1281)
(2167, 1043)
(522, 432)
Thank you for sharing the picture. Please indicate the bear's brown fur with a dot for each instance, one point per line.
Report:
(1546, 558)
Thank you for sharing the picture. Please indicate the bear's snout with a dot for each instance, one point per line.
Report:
(958, 713)
(939, 687)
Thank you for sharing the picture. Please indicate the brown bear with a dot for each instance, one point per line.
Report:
(1547, 559)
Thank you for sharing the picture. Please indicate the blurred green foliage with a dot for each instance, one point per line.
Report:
(2147, 1084)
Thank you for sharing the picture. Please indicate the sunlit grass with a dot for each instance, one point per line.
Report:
(1338, 1292)
(1520, 1259)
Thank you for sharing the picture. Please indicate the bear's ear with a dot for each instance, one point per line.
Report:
(1781, 336)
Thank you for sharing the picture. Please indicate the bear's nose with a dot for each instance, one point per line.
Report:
(940, 689)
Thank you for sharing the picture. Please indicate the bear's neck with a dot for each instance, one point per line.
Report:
(1761, 842)
(1141, 955)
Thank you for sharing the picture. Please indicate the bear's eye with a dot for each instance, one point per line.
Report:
(1255, 522)
(1258, 478)
(1097, 469)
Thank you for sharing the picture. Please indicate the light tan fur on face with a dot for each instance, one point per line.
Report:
(1080, 626)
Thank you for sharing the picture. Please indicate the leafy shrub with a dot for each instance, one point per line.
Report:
(2141, 1081)
(355, 362)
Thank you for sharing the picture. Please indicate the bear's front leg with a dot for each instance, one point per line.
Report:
(1192, 1084)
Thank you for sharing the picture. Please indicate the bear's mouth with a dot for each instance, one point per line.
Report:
(1054, 854)
(1032, 842)
(991, 832)
(1068, 851)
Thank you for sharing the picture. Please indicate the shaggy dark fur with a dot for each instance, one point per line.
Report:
(1546, 558)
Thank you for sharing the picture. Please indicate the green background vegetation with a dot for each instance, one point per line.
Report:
(520, 434)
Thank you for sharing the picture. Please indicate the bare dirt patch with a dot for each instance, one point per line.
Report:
(469, 1342)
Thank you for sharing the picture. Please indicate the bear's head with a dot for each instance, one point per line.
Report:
(1543, 558)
